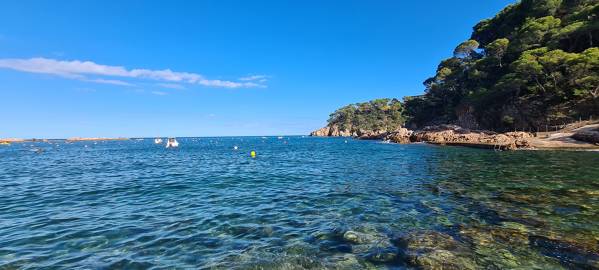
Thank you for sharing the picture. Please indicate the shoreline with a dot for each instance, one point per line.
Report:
(579, 138)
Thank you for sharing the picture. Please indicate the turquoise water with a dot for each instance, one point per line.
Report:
(136, 205)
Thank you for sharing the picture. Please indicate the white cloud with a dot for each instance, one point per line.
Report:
(259, 78)
(114, 82)
(80, 70)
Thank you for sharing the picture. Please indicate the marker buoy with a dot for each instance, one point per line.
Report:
(253, 154)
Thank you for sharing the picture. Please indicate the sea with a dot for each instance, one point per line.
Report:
(300, 203)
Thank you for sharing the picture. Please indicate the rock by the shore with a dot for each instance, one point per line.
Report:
(587, 138)
(372, 134)
(332, 131)
(451, 134)
(401, 135)
(591, 136)
(321, 132)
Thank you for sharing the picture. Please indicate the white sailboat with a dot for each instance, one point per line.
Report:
(172, 143)
(158, 140)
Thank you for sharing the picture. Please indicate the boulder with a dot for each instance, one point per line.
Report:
(372, 134)
(402, 135)
(591, 136)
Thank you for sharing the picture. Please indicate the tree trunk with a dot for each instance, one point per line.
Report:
(595, 92)
(539, 84)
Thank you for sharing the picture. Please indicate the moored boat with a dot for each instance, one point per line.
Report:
(172, 143)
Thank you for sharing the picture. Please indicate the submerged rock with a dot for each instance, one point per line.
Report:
(515, 235)
(382, 255)
(346, 261)
(357, 237)
(574, 253)
(435, 250)
(442, 259)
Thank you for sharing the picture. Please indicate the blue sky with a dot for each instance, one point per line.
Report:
(209, 68)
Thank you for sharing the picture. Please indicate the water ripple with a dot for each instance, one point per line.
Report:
(136, 205)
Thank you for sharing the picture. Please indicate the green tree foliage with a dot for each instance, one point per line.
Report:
(376, 115)
(497, 49)
(466, 49)
(532, 64)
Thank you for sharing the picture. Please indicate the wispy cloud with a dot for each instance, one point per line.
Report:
(255, 78)
(82, 70)
(113, 82)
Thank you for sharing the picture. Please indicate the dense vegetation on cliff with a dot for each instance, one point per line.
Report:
(535, 63)
(378, 114)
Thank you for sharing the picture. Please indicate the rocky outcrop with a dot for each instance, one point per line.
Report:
(322, 132)
(332, 131)
(451, 134)
(372, 134)
(440, 134)
(591, 136)
(401, 135)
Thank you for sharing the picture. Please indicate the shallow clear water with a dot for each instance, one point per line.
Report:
(133, 204)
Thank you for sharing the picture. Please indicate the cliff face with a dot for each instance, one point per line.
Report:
(332, 131)
(400, 135)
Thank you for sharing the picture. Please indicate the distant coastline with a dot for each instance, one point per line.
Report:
(73, 139)
(78, 139)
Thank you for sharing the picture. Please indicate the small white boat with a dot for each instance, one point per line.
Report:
(158, 141)
(172, 143)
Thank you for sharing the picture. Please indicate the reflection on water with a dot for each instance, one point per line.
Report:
(302, 203)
